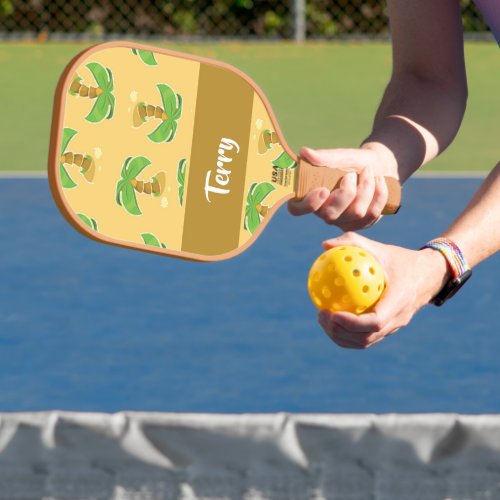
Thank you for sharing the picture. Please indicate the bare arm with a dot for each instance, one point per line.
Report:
(477, 229)
(418, 117)
(424, 103)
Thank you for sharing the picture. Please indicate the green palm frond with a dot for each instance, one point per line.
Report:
(181, 176)
(257, 193)
(151, 240)
(261, 191)
(284, 161)
(250, 193)
(147, 57)
(178, 111)
(252, 220)
(125, 192)
(171, 101)
(68, 134)
(125, 196)
(103, 108)
(136, 166)
(88, 221)
(119, 188)
(123, 173)
(165, 132)
(102, 76)
(111, 103)
(66, 181)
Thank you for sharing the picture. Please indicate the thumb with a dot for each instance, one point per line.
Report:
(348, 238)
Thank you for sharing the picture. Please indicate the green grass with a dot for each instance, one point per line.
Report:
(324, 95)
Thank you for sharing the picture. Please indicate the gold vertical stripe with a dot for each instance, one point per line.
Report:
(223, 114)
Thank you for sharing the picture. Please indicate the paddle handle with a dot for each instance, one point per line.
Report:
(310, 177)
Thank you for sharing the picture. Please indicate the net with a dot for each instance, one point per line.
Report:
(159, 456)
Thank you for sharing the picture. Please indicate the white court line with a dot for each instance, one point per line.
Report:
(453, 174)
(41, 174)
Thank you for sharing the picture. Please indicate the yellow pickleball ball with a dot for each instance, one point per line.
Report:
(346, 278)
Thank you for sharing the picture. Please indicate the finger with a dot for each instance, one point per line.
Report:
(311, 203)
(356, 215)
(362, 324)
(362, 340)
(379, 200)
(338, 334)
(364, 196)
(339, 199)
(341, 340)
(344, 344)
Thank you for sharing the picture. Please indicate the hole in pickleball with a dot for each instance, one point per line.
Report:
(379, 287)
(372, 270)
(327, 293)
(363, 254)
(336, 306)
(317, 276)
(366, 289)
(339, 281)
(356, 273)
(317, 301)
(348, 258)
(346, 299)
(330, 268)
(360, 309)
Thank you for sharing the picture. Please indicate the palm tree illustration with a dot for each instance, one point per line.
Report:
(85, 162)
(88, 221)
(152, 241)
(168, 114)
(267, 139)
(146, 56)
(181, 177)
(284, 161)
(255, 210)
(104, 105)
(128, 185)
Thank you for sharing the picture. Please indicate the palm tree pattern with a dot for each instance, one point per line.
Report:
(104, 105)
(169, 113)
(255, 210)
(128, 186)
(85, 162)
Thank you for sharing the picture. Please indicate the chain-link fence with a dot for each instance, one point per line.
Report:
(206, 18)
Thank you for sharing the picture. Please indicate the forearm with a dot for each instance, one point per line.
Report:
(416, 120)
(477, 230)
(424, 103)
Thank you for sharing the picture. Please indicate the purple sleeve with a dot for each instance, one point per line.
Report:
(490, 9)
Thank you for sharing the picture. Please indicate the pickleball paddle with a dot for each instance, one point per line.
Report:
(171, 153)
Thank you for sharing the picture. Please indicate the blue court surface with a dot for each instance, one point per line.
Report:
(90, 327)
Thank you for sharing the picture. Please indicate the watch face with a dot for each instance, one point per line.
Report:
(451, 288)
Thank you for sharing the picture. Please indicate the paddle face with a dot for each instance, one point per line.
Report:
(165, 152)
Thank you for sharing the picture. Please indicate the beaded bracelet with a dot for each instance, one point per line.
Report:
(459, 267)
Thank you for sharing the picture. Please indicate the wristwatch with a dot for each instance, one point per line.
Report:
(460, 270)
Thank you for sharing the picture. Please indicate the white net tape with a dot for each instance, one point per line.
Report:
(155, 456)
